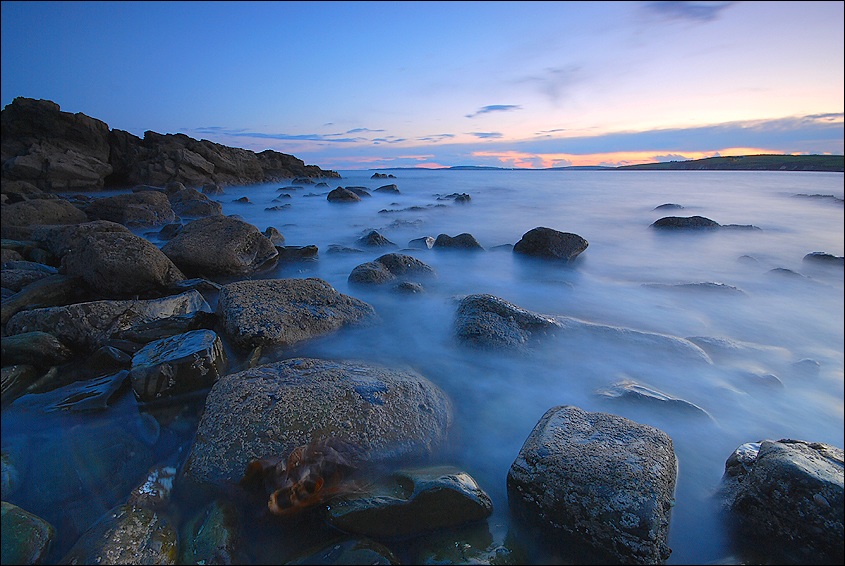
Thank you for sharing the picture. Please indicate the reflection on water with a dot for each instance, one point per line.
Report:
(773, 339)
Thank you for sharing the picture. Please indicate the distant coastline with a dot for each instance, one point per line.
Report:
(828, 163)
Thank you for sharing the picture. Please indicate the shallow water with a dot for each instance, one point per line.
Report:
(627, 277)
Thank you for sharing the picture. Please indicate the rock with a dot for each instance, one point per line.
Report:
(106, 360)
(83, 396)
(147, 208)
(461, 241)
(392, 189)
(271, 409)
(424, 243)
(17, 191)
(823, 258)
(600, 479)
(551, 244)
(190, 203)
(297, 253)
(342, 195)
(487, 321)
(38, 349)
(169, 231)
(242, 200)
(274, 236)
(389, 268)
(360, 191)
(51, 149)
(212, 536)
(126, 535)
(120, 264)
(705, 286)
(219, 245)
(153, 330)
(374, 239)
(27, 538)
(89, 325)
(682, 222)
(669, 206)
(642, 395)
(49, 291)
(382, 176)
(41, 211)
(212, 189)
(178, 364)
(791, 492)
(156, 492)
(59, 240)
(16, 275)
(9, 255)
(410, 502)
(286, 311)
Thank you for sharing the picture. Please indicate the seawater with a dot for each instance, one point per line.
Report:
(631, 276)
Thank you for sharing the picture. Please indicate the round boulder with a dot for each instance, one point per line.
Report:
(144, 208)
(219, 245)
(269, 410)
(551, 244)
(41, 211)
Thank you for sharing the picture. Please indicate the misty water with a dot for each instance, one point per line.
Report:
(778, 373)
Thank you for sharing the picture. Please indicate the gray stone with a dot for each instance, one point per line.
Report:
(219, 245)
(41, 211)
(126, 535)
(145, 208)
(39, 349)
(89, 325)
(487, 321)
(550, 244)
(15, 380)
(271, 409)
(391, 267)
(17, 279)
(190, 203)
(460, 242)
(274, 236)
(410, 502)
(286, 311)
(424, 243)
(374, 239)
(604, 480)
(212, 536)
(49, 291)
(178, 364)
(792, 491)
(637, 394)
(119, 264)
(685, 222)
(342, 195)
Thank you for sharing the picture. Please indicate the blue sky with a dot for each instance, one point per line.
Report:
(360, 85)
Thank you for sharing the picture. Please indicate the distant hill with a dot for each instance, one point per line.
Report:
(751, 163)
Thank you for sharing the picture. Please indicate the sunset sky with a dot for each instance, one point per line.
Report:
(360, 85)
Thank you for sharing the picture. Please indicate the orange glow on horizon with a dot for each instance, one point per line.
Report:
(523, 160)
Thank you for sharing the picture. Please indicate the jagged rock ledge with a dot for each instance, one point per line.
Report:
(61, 151)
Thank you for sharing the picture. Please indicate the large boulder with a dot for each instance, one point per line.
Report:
(89, 325)
(51, 149)
(121, 264)
(600, 480)
(190, 203)
(219, 245)
(27, 538)
(59, 240)
(685, 222)
(487, 321)
(269, 410)
(41, 211)
(464, 241)
(792, 492)
(550, 244)
(342, 194)
(144, 208)
(284, 312)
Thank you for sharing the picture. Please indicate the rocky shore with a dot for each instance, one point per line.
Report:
(92, 311)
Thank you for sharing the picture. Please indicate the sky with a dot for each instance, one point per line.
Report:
(368, 85)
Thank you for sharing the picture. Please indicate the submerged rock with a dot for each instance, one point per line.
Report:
(490, 322)
(341, 194)
(27, 538)
(638, 394)
(374, 239)
(212, 536)
(682, 222)
(271, 409)
(36, 348)
(598, 479)
(463, 241)
(392, 267)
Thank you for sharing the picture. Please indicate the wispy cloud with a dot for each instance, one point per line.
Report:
(687, 11)
(486, 135)
(554, 82)
(494, 108)
(436, 138)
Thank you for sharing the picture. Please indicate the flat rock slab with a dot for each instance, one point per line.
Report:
(269, 410)
(602, 479)
(284, 312)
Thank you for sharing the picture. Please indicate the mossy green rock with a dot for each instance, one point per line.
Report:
(26, 537)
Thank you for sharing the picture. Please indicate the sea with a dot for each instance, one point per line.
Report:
(771, 319)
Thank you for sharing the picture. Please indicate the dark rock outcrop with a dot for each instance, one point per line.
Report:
(271, 409)
(463, 241)
(60, 151)
(600, 479)
(393, 267)
(341, 194)
(685, 222)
